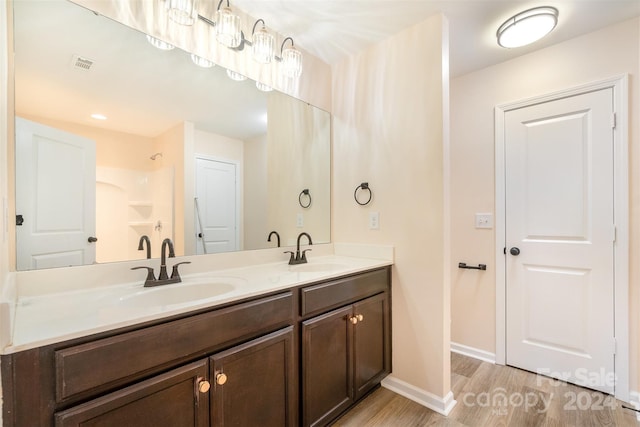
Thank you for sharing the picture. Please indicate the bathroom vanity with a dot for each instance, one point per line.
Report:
(297, 355)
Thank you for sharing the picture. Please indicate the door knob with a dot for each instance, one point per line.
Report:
(514, 251)
(360, 317)
(204, 386)
(221, 379)
(92, 239)
(353, 320)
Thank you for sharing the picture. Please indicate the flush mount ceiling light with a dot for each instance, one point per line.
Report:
(291, 60)
(227, 25)
(183, 12)
(527, 27)
(162, 45)
(262, 44)
(201, 62)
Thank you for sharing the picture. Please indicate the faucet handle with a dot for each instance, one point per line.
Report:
(174, 270)
(303, 258)
(291, 258)
(151, 278)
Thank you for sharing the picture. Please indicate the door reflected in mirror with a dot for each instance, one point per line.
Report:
(180, 151)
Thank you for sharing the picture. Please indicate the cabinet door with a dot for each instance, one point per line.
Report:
(172, 399)
(326, 366)
(372, 354)
(254, 384)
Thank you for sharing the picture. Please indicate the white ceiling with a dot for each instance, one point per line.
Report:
(48, 34)
(333, 29)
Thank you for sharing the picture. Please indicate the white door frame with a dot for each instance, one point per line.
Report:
(619, 84)
(239, 194)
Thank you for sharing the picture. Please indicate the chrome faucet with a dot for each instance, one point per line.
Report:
(163, 278)
(277, 235)
(299, 258)
(144, 238)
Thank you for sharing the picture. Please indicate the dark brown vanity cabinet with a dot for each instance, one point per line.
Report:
(297, 357)
(346, 351)
(177, 398)
(251, 384)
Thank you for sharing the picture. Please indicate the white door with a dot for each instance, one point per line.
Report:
(56, 197)
(560, 218)
(216, 208)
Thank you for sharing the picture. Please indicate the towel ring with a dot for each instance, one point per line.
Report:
(304, 192)
(363, 186)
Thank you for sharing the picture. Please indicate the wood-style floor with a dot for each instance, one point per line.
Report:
(494, 395)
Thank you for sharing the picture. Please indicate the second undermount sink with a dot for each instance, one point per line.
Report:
(317, 267)
(178, 293)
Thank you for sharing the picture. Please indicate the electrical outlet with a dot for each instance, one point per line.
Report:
(374, 221)
(300, 220)
(484, 220)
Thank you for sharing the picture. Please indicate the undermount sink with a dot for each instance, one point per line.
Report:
(178, 293)
(317, 267)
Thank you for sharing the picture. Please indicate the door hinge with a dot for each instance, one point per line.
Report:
(613, 120)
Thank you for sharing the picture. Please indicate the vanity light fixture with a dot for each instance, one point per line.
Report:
(527, 27)
(227, 26)
(183, 12)
(263, 87)
(291, 60)
(236, 76)
(162, 45)
(263, 42)
(201, 62)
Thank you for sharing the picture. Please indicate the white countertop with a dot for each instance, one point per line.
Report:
(54, 317)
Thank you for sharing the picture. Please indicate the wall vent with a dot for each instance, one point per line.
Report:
(81, 63)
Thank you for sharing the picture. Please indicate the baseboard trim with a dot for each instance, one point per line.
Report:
(485, 356)
(634, 400)
(442, 405)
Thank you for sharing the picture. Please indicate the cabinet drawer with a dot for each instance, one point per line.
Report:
(325, 296)
(101, 365)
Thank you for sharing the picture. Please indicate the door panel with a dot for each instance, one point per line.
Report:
(559, 214)
(55, 194)
(259, 386)
(216, 215)
(326, 366)
(370, 358)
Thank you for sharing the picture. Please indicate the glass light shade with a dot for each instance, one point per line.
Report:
(527, 27)
(236, 76)
(183, 12)
(201, 62)
(263, 87)
(291, 62)
(263, 46)
(228, 30)
(162, 45)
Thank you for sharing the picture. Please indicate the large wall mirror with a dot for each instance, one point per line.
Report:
(181, 151)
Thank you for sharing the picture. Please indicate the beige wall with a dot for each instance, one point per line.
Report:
(256, 200)
(612, 51)
(388, 131)
(298, 158)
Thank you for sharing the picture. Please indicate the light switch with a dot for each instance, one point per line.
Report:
(374, 221)
(300, 220)
(484, 220)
